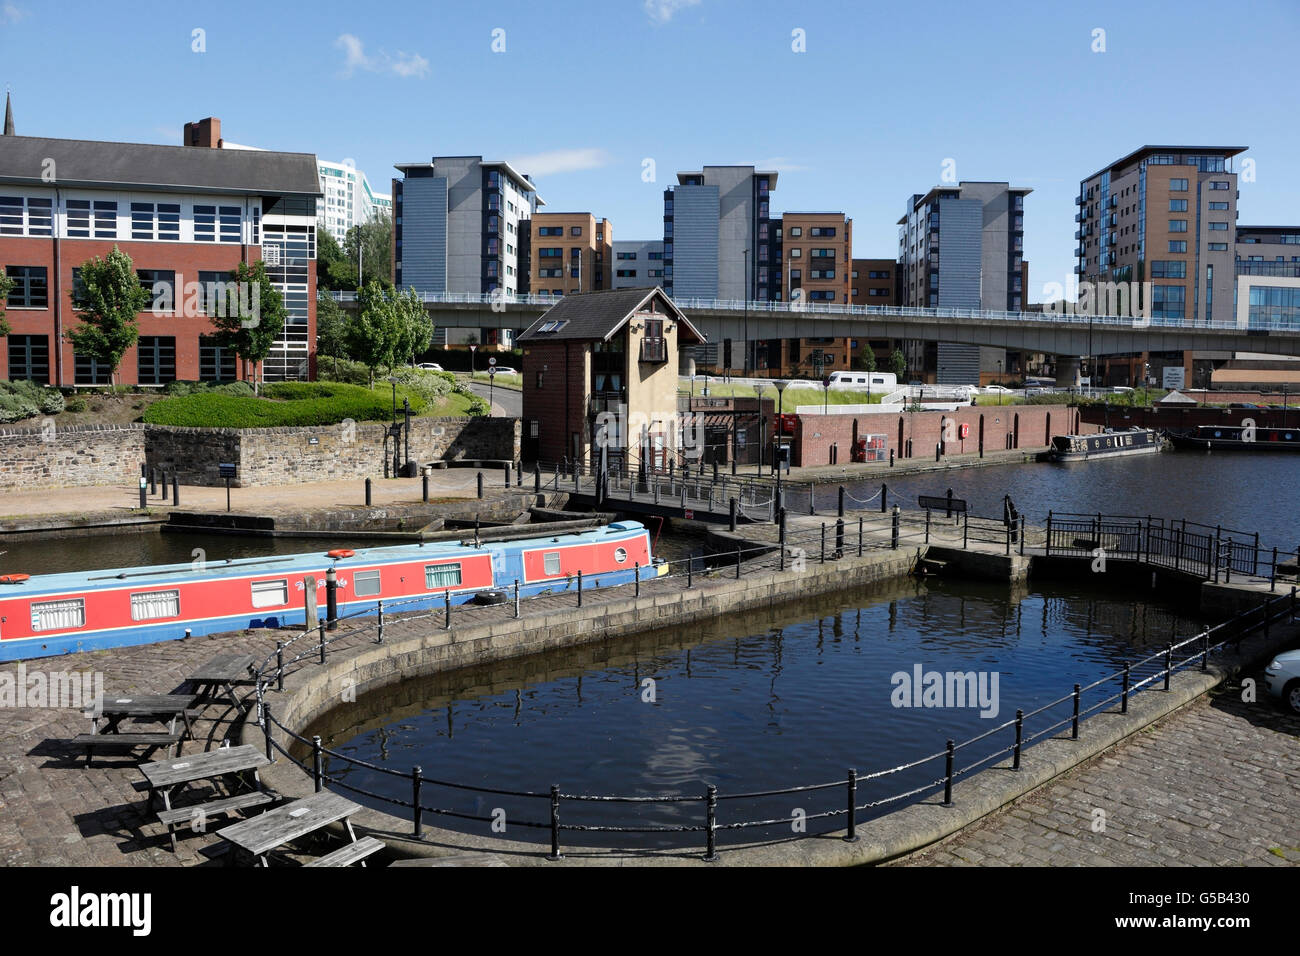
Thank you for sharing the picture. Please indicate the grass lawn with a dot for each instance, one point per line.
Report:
(515, 382)
(792, 397)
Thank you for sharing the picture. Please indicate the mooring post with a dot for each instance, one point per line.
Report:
(417, 818)
(737, 562)
(446, 602)
(516, 597)
(859, 536)
(317, 764)
(1020, 735)
(1205, 650)
(320, 635)
(380, 629)
(579, 589)
(965, 529)
(555, 823)
(711, 823)
(840, 512)
(268, 725)
(891, 458)
(279, 665)
(322, 647)
(781, 536)
(732, 508)
(851, 834)
(507, 473)
(1123, 694)
(823, 561)
(1169, 662)
(894, 529)
(537, 479)
(331, 597)
(176, 491)
(1074, 725)
(947, 775)
(153, 481)
(927, 525)
(690, 570)
(1049, 534)
(368, 493)
(884, 497)
(1272, 574)
(812, 504)
(839, 536)
(638, 579)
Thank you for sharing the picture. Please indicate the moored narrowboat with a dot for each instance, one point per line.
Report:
(47, 614)
(1107, 444)
(1237, 438)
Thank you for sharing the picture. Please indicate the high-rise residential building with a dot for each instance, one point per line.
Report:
(569, 252)
(962, 246)
(461, 224)
(187, 216)
(873, 282)
(348, 199)
(638, 263)
(1167, 215)
(719, 235)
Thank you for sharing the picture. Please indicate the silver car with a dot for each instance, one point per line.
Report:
(1282, 679)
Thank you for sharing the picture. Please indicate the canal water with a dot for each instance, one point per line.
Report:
(753, 702)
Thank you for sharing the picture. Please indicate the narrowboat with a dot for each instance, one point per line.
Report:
(43, 615)
(1107, 444)
(1237, 438)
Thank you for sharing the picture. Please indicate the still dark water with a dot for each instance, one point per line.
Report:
(748, 703)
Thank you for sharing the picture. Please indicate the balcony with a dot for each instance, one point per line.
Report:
(654, 351)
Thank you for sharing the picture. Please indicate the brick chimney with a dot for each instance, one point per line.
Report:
(206, 132)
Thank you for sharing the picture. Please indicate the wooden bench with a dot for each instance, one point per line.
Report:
(352, 853)
(179, 816)
(93, 742)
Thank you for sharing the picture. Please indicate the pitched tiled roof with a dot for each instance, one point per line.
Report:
(87, 163)
(597, 315)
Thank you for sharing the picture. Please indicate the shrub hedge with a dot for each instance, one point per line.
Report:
(285, 404)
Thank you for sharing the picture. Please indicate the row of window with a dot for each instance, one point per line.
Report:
(29, 358)
(97, 219)
(31, 288)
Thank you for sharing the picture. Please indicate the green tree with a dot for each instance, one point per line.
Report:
(6, 286)
(415, 324)
(331, 328)
(368, 248)
(377, 331)
(898, 363)
(250, 317)
(333, 270)
(865, 360)
(107, 301)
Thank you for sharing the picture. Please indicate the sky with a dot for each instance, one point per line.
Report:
(856, 105)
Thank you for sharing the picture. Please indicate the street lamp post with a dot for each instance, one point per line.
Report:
(776, 445)
(999, 382)
(762, 429)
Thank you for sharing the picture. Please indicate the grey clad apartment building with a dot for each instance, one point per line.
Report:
(717, 227)
(461, 224)
(962, 246)
(638, 263)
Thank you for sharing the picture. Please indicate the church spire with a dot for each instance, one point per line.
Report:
(9, 116)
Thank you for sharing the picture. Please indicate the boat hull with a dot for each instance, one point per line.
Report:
(1069, 448)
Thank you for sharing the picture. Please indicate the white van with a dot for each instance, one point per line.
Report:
(863, 381)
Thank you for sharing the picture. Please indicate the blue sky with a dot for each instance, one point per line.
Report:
(866, 116)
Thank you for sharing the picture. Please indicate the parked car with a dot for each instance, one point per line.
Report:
(995, 389)
(430, 366)
(1282, 679)
(504, 370)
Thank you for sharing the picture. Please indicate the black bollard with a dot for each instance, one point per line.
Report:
(537, 479)
(891, 458)
(733, 514)
(153, 481)
(480, 484)
(507, 477)
(424, 488)
(144, 491)
(893, 534)
(937, 450)
(163, 482)
(884, 496)
(176, 491)
(839, 535)
(368, 493)
(331, 598)
(841, 511)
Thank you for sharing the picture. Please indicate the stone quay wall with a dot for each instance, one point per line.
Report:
(74, 455)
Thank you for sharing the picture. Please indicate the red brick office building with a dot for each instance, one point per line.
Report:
(187, 216)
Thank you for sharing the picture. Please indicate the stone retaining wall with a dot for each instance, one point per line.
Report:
(50, 457)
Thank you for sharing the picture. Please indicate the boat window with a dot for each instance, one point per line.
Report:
(147, 605)
(551, 563)
(271, 593)
(620, 555)
(441, 575)
(365, 583)
(54, 615)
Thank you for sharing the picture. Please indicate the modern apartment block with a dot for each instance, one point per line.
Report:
(962, 246)
(462, 225)
(187, 216)
(569, 252)
(719, 235)
(1167, 215)
(874, 282)
(638, 263)
(348, 199)
(1268, 275)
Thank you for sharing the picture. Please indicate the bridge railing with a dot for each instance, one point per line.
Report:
(689, 303)
(702, 813)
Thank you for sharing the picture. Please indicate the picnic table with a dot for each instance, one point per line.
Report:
(166, 778)
(261, 834)
(218, 677)
(164, 708)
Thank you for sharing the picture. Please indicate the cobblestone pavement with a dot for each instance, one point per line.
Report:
(1216, 783)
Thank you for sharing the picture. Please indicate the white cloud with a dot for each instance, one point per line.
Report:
(561, 161)
(11, 14)
(356, 58)
(780, 164)
(661, 11)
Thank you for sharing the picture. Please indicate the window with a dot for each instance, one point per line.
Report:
(625, 273)
(550, 252)
(216, 364)
(620, 555)
(56, 615)
(551, 563)
(1218, 185)
(625, 255)
(1178, 185)
(365, 583)
(90, 371)
(29, 358)
(796, 231)
(149, 605)
(1167, 269)
(1218, 247)
(575, 230)
(142, 220)
(156, 359)
(1177, 245)
(205, 223)
(1218, 227)
(1177, 225)
(1168, 301)
(822, 231)
(31, 287)
(876, 274)
(229, 220)
(1178, 205)
(105, 219)
(11, 215)
(161, 283)
(796, 253)
(271, 593)
(1217, 206)
(441, 575)
(823, 253)
(78, 211)
(38, 217)
(551, 231)
(169, 221)
(822, 274)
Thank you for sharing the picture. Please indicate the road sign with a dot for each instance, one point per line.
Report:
(690, 515)
(492, 372)
(492, 361)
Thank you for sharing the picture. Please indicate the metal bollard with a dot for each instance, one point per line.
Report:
(268, 726)
(555, 823)
(480, 483)
(841, 505)
(507, 474)
(1205, 651)
(279, 665)
(884, 496)
(446, 597)
(1123, 693)
(516, 597)
(638, 579)
(732, 507)
(738, 564)
(851, 834)
(579, 589)
(711, 824)
(153, 481)
(894, 529)
(320, 634)
(176, 490)
(144, 490)
(891, 458)
(331, 597)
(823, 561)
(839, 536)
(424, 488)
(368, 493)
(1020, 733)
(322, 644)
(938, 451)
(927, 525)
(1074, 726)
(537, 479)
(380, 630)
(1169, 662)
(417, 817)
(947, 776)
(812, 504)
(163, 482)
(317, 761)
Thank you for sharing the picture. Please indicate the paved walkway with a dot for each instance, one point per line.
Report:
(1214, 784)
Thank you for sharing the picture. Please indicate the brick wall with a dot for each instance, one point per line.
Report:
(1029, 427)
(73, 455)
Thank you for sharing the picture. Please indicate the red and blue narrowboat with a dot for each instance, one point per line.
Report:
(43, 615)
